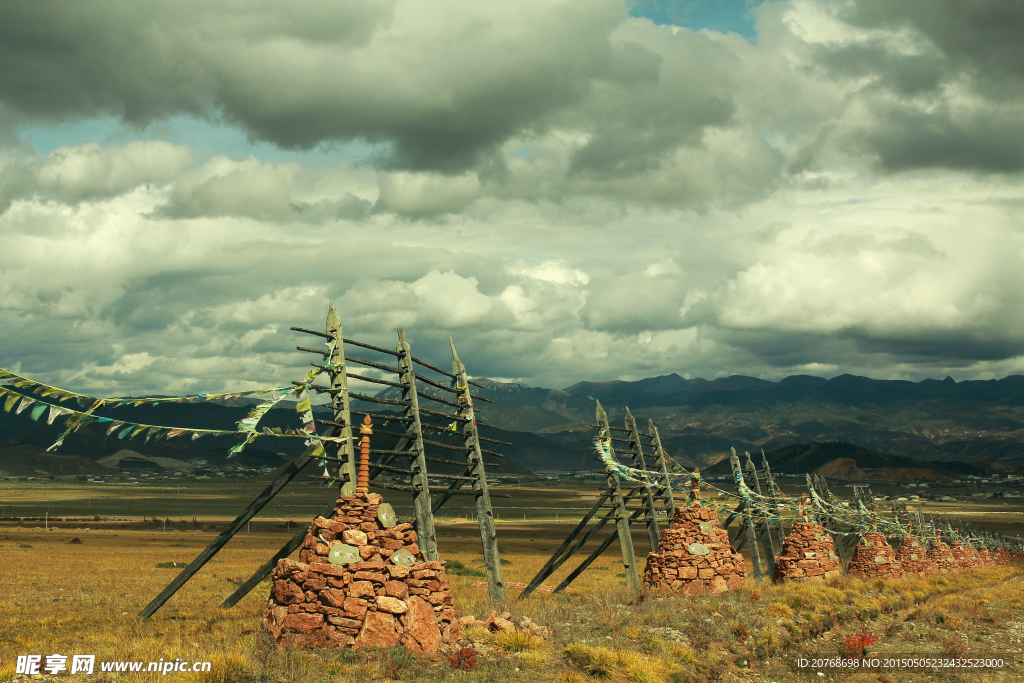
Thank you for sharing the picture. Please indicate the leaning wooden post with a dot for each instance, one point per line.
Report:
(289, 472)
(659, 452)
(475, 458)
(766, 525)
(773, 494)
(621, 517)
(638, 462)
(422, 509)
(340, 403)
(749, 512)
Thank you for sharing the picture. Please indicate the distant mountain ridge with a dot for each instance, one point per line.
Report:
(979, 422)
(850, 461)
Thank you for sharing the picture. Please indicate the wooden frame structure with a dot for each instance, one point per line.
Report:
(412, 444)
(615, 501)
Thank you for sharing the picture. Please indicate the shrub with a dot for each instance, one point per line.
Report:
(464, 659)
(456, 568)
(854, 644)
(515, 641)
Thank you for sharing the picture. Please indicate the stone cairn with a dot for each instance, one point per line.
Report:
(940, 554)
(875, 559)
(913, 557)
(694, 556)
(361, 581)
(808, 553)
(961, 556)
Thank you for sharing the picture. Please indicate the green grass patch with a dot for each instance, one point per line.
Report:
(456, 568)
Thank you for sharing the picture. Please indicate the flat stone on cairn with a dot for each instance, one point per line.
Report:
(913, 557)
(808, 553)
(361, 581)
(875, 559)
(939, 552)
(694, 556)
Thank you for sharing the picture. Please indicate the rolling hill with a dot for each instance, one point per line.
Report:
(850, 461)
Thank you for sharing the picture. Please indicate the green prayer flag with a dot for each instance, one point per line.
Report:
(38, 411)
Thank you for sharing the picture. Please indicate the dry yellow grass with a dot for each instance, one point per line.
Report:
(84, 599)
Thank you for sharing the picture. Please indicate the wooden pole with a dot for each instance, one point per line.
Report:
(264, 571)
(422, 510)
(475, 458)
(755, 557)
(670, 501)
(556, 560)
(597, 552)
(621, 518)
(340, 402)
(773, 495)
(653, 534)
(766, 529)
(293, 468)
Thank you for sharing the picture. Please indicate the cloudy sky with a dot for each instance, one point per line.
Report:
(573, 190)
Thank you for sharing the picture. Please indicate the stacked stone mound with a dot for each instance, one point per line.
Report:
(973, 555)
(694, 556)
(386, 596)
(913, 557)
(875, 559)
(987, 558)
(808, 553)
(1005, 556)
(940, 553)
(961, 556)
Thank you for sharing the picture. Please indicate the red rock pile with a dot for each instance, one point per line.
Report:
(961, 555)
(912, 556)
(875, 559)
(808, 553)
(694, 556)
(361, 581)
(939, 553)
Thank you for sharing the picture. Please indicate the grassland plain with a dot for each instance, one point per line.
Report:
(59, 597)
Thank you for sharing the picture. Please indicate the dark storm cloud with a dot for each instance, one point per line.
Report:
(982, 36)
(908, 75)
(441, 87)
(905, 137)
(942, 82)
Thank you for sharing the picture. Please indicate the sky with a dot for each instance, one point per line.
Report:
(580, 190)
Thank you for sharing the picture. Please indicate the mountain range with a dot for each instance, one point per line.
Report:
(931, 421)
